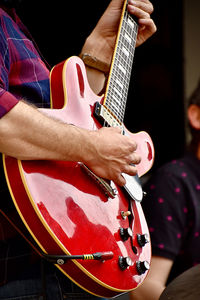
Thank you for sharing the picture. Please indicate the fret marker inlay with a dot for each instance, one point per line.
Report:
(120, 74)
(119, 84)
(122, 69)
(127, 37)
(125, 51)
(130, 22)
(117, 92)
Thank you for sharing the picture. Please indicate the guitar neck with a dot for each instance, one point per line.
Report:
(121, 67)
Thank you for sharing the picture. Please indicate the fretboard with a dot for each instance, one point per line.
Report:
(121, 67)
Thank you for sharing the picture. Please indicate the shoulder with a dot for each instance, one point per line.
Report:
(5, 22)
(4, 16)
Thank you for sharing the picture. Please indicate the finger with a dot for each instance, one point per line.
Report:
(147, 24)
(130, 170)
(138, 12)
(120, 180)
(132, 147)
(144, 5)
(134, 159)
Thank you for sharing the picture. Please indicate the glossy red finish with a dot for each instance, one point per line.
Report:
(67, 212)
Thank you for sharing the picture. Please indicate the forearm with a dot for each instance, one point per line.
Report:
(151, 291)
(95, 49)
(155, 283)
(96, 79)
(100, 46)
(26, 133)
(97, 46)
(101, 42)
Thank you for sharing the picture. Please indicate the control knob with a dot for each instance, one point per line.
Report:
(125, 262)
(125, 233)
(143, 239)
(142, 266)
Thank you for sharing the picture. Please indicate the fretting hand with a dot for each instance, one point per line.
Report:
(105, 33)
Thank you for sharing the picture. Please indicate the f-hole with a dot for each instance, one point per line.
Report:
(80, 80)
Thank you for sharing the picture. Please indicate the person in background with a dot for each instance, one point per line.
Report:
(28, 134)
(172, 210)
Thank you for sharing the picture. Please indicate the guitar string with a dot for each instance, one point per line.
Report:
(117, 106)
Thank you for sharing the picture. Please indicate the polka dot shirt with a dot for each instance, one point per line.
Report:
(172, 211)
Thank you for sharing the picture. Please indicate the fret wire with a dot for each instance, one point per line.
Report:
(122, 66)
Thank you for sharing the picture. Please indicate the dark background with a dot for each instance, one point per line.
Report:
(155, 102)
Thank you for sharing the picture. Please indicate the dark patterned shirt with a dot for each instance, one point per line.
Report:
(172, 210)
(23, 74)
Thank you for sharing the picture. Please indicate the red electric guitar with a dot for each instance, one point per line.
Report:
(93, 230)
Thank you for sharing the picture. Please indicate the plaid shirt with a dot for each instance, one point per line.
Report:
(23, 74)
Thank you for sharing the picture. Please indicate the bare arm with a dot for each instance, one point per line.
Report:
(26, 133)
(155, 282)
(101, 42)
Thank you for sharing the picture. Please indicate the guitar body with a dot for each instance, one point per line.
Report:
(66, 211)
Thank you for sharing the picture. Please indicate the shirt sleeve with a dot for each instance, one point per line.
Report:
(165, 210)
(7, 100)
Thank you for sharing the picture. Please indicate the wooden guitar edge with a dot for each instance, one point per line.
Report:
(103, 290)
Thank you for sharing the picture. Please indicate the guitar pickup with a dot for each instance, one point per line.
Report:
(105, 117)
